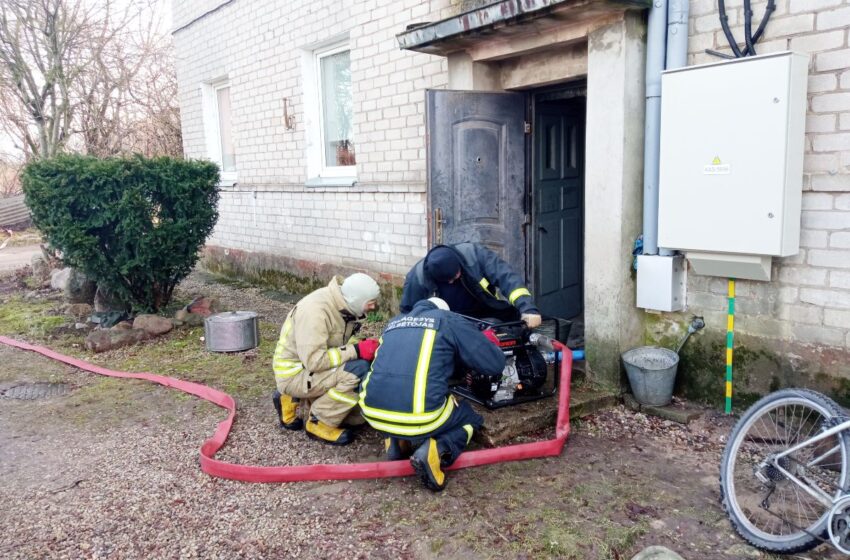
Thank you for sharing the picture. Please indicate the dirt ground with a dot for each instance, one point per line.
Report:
(110, 470)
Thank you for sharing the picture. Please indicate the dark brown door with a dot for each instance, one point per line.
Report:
(476, 170)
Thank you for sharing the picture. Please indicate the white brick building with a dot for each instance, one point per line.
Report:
(254, 78)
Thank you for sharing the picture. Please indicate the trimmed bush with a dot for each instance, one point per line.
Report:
(134, 225)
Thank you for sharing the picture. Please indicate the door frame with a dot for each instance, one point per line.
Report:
(562, 91)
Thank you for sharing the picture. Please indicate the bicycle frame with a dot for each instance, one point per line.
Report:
(813, 491)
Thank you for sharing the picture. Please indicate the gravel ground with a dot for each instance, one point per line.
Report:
(92, 475)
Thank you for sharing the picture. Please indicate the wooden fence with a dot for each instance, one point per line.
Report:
(13, 211)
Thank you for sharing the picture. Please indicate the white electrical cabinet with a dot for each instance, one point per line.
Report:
(732, 142)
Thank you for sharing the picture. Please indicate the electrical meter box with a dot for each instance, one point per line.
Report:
(732, 142)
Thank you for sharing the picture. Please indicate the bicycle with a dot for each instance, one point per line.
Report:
(784, 473)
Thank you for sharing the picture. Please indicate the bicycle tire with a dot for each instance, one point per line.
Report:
(753, 425)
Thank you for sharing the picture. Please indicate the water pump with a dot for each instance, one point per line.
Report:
(526, 368)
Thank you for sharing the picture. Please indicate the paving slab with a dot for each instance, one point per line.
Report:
(681, 412)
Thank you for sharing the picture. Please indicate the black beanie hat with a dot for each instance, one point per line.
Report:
(442, 264)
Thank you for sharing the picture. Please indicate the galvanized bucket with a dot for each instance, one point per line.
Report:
(652, 374)
(232, 331)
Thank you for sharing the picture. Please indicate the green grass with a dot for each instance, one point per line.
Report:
(37, 319)
(375, 317)
(180, 353)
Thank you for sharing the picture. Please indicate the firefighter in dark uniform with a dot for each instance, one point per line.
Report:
(406, 396)
(470, 278)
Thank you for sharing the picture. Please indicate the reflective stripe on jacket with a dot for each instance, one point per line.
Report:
(315, 334)
(489, 277)
(407, 391)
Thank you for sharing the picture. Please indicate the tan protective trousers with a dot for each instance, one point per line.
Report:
(333, 393)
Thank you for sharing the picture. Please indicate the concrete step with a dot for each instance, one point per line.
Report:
(505, 424)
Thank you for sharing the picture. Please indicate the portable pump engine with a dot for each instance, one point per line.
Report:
(525, 373)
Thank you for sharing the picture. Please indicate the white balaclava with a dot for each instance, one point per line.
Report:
(440, 303)
(357, 290)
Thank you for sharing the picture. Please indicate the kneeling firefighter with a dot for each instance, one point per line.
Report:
(315, 360)
(406, 394)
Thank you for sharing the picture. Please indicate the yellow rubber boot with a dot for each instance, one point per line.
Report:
(426, 463)
(287, 411)
(397, 448)
(320, 431)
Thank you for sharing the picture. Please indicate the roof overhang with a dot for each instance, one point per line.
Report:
(507, 18)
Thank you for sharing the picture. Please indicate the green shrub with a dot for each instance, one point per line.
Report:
(134, 225)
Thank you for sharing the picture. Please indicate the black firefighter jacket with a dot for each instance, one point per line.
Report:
(407, 390)
(485, 276)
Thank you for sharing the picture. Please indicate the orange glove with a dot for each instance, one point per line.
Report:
(491, 336)
(366, 348)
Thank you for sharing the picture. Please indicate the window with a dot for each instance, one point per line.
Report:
(334, 73)
(218, 129)
(328, 114)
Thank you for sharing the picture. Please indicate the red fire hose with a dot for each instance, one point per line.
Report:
(292, 473)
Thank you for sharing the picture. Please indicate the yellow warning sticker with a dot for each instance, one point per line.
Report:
(716, 167)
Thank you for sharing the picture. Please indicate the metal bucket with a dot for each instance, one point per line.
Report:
(232, 331)
(652, 373)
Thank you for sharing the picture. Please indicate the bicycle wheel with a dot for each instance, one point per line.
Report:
(768, 509)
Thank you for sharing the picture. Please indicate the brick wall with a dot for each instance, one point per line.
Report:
(808, 301)
(378, 224)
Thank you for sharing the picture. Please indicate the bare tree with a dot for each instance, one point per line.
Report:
(37, 42)
(10, 179)
(154, 128)
(83, 75)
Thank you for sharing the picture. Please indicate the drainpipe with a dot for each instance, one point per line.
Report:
(656, 39)
(677, 34)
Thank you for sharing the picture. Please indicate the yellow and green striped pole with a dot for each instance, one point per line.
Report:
(730, 341)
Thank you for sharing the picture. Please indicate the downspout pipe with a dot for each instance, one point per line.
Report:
(677, 34)
(656, 46)
(677, 54)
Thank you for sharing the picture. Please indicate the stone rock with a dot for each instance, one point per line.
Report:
(743, 551)
(78, 311)
(105, 300)
(656, 553)
(40, 269)
(122, 326)
(79, 289)
(81, 326)
(153, 324)
(102, 340)
(203, 306)
(59, 278)
(184, 317)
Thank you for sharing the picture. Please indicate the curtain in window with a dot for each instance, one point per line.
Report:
(337, 109)
(228, 154)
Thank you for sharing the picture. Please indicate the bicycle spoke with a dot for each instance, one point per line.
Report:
(765, 498)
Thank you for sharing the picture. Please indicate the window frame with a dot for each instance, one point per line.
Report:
(212, 127)
(325, 170)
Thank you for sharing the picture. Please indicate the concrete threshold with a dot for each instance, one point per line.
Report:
(527, 419)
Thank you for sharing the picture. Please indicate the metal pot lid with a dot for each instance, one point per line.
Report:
(231, 316)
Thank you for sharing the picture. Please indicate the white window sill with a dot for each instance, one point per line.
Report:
(227, 180)
(331, 182)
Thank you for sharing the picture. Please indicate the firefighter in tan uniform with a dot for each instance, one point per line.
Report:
(314, 359)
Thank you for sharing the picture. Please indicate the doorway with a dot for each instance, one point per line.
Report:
(557, 194)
